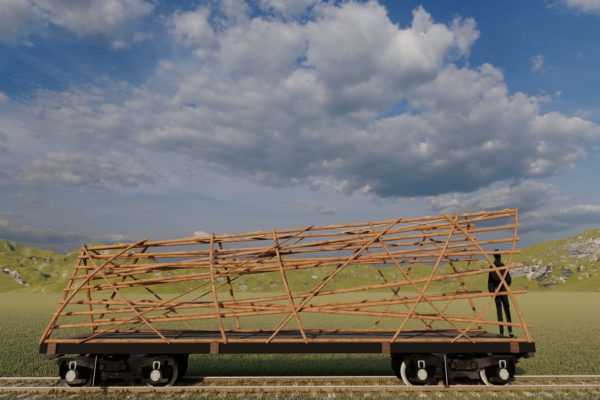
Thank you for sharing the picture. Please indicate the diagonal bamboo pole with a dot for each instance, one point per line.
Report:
(86, 280)
(423, 296)
(395, 293)
(113, 294)
(405, 275)
(377, 302)
(287, 287)
(135, 311)
(214, 289)
(236, 267)
(426, 285)
(461, 281)
(492, 296)
(502, 283)
(88, 292)
(372, 287)
(332, 275)
(230, 286)
(135, 317)
(348, 311)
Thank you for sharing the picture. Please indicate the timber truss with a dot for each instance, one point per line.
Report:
(383, 279)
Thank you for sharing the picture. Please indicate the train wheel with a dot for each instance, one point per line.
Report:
(500, 374)
(75, 375)
(161, 373)
(415, 372)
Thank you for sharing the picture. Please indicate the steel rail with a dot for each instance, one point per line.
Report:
(302, 388)
(302, 377)
(346, 383)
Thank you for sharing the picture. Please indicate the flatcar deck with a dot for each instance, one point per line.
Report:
(288, 342)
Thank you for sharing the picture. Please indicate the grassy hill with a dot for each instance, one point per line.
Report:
(32, 269)
(570, 264)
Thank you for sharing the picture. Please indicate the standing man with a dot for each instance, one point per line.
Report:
(502, 299)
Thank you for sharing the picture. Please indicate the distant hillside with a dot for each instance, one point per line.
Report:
(29, 268)
(570, 264)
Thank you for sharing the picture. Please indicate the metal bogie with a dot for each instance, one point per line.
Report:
(160, 370)
(76, 371)
(500, 371)
(418, 372)
(417, 369)
(491, 369)
(427, 369)
(167, 370)
(155, 370)
(471, 367)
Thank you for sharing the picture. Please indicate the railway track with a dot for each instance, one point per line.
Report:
(307, 384)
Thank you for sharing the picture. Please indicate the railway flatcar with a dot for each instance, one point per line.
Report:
(413, 288)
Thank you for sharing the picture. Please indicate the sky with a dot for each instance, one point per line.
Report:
(125, 119)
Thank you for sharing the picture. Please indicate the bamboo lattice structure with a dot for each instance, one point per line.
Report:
(389, 280)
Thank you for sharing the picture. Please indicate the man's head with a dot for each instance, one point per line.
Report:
(497, 256)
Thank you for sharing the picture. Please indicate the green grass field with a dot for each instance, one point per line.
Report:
(566, 327)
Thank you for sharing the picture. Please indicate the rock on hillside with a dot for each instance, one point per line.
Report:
(24, 267)
(585, 248)
(569, 264)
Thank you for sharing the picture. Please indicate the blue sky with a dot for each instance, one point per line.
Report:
(123, 119)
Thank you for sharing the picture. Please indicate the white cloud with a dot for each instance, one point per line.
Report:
(233, 12)
(267, 50)
(585, 6)
(560, 219)
(119, 44)
(374, 62)
(526, 196)
(538, 63)
(89, 17)
(287, 8)
(311, 207)
(113, 19)
(3, 150)
(466, 34)
(109, 238)
(192, 27)
(556, 127)
(30, 234)
(89, 112)
(3, 97)
(18, 19)
(286, 102)
(72, 169)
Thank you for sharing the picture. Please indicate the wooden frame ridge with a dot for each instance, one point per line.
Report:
(395, 275)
